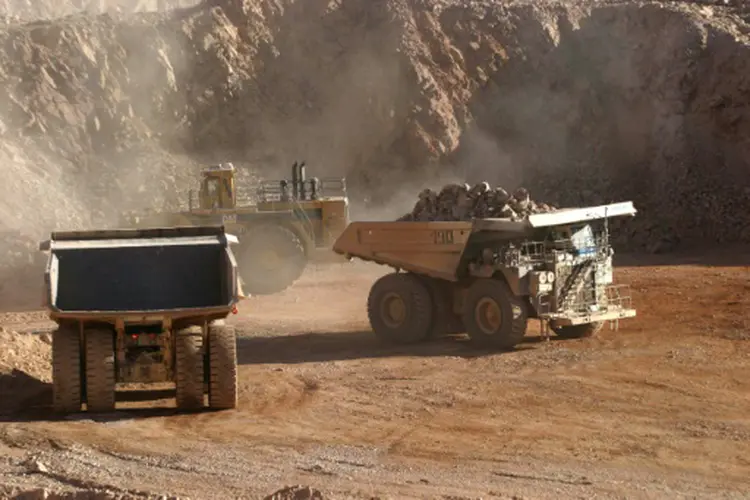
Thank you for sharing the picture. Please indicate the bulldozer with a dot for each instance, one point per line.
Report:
(285, 225)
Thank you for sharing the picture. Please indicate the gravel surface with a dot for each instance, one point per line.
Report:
(657, 409)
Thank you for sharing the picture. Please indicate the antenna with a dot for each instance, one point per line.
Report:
(606, 226)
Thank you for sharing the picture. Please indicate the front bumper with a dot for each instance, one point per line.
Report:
(611, 314)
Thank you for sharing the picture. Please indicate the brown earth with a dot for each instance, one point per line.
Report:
(658, 409)
(582, 102)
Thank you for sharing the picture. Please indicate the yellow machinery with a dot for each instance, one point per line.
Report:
(290, 222)
(143, 306)
(487, 277)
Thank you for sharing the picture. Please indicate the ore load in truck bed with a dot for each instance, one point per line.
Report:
(436, 248)
(456, 202)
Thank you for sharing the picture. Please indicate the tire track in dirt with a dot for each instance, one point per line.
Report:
(658, 399)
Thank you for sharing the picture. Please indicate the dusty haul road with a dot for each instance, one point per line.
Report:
(660, 409)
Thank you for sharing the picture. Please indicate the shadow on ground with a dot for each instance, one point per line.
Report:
(340, 346)
(24, 398)
(20, 391)
(119, 415)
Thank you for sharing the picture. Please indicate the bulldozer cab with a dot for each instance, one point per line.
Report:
(217, 191)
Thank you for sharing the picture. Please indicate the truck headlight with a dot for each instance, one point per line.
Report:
(550, 277)
(539, 283)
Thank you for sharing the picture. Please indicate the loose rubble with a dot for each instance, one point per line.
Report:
(297, 492)
(24, 371)
(47, 494)
(456, 202)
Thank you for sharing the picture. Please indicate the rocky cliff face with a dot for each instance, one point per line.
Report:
(582, 102)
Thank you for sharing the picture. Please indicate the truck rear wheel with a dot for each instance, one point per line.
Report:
(400, 309)
(493, 315)
(578, 331)
(272, 259)
(189, 368)
(100, 370)
(222, 350)
(66, 370)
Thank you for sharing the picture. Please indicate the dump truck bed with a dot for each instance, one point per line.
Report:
(435, 248)
(175, 272)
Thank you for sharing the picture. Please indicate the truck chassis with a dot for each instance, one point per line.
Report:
(488, 277)
(142, 307)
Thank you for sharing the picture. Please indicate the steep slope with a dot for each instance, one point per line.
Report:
(631, 101)
(583, 102)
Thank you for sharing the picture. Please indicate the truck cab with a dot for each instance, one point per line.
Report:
(217, 189)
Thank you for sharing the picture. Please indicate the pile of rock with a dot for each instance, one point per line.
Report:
(297, 492)
(78, 494)
(456, 202)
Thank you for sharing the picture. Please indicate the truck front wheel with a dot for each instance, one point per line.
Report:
(66, 370)
(189, 368)
(493, 315)
(400, 309)
(222, 352)
(578, 331)
(100, 370)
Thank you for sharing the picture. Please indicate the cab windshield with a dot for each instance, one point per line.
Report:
(582, 239)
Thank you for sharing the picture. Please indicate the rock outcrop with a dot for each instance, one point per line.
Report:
(580, 102)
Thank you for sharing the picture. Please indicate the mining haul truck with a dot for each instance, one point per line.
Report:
(142, 306)
(487, 277)
(281, 224)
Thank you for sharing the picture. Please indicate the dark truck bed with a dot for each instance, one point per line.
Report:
(140, 271)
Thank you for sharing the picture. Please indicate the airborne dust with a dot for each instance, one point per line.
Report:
(580, 103)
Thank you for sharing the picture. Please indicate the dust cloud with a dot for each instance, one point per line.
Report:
(400, 198)
(481, 158)
(74, 153)
(35, 10)
(580, 104)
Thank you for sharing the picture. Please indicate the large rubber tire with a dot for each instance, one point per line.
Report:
(578, 331)
(493, 315)
(100, 370)
(189, 368)
(222, 351)
(66, 370)
(400, 309)
(272, 258)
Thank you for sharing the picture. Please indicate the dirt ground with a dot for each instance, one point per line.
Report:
(658, 409)
(582, 102)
